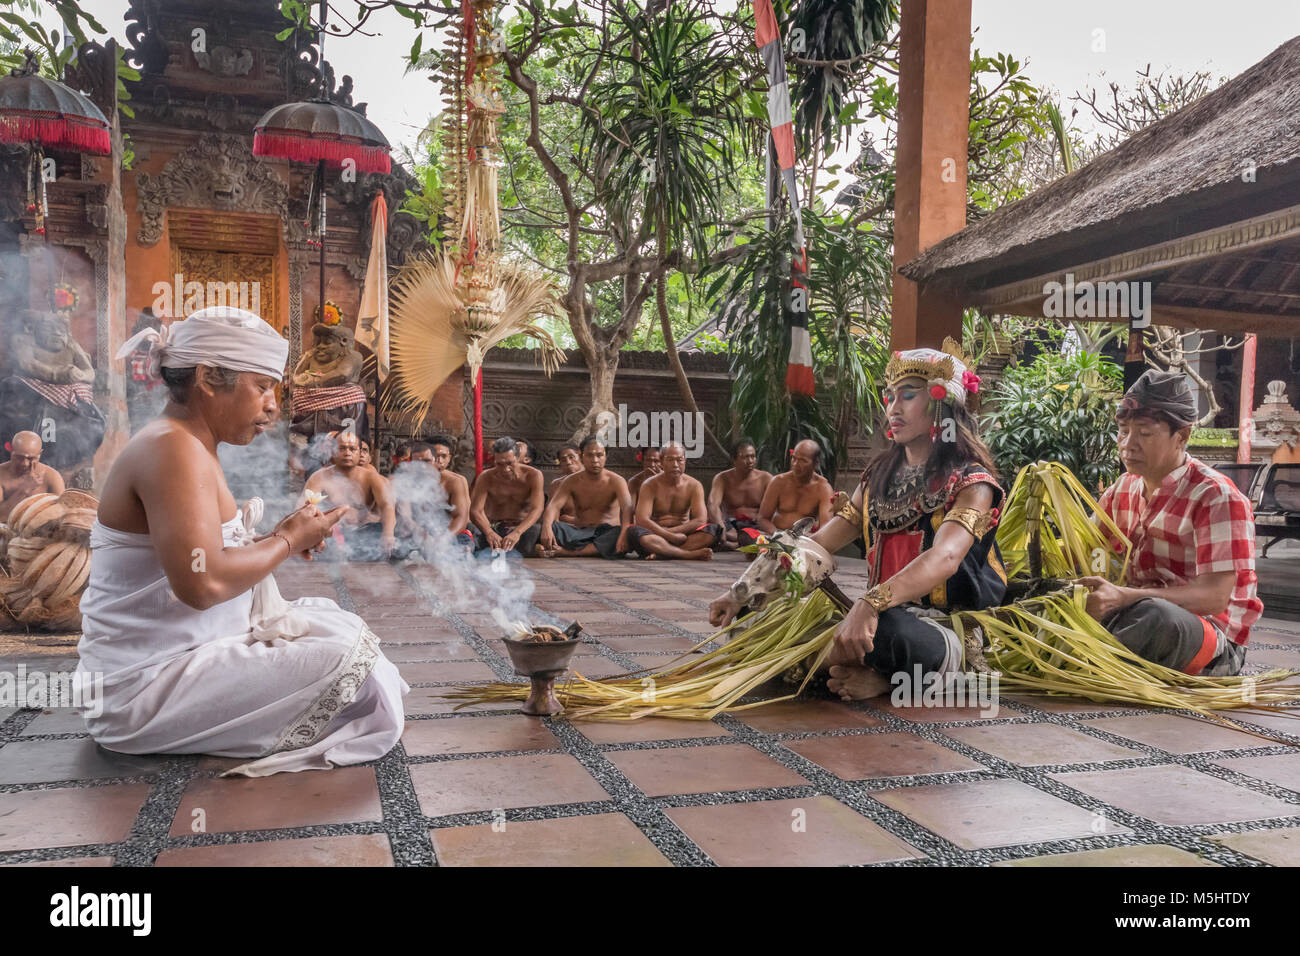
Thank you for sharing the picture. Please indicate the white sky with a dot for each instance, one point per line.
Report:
(1054, 37)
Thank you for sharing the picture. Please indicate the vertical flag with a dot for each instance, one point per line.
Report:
(372, 316)
(799, 370)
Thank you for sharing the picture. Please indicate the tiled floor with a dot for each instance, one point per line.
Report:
(813, 782)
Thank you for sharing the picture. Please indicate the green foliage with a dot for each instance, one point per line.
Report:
(837, 36)
(659, 129)
(1060, 407)
(1213, 438)
(847, 323)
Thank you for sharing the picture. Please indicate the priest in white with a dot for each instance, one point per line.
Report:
(181, 617)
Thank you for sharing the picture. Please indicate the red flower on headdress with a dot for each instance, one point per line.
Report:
(639, 456)
(9, 446)
(971, 382)
(938, 392)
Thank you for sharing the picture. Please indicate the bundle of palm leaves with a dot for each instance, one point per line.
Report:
(767, 644)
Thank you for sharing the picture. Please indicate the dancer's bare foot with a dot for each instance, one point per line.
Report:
(857, 683)
(541, 552)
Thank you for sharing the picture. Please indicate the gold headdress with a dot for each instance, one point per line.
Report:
(946, 371)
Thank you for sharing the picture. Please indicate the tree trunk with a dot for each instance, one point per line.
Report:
(601, 370)
(675, 360)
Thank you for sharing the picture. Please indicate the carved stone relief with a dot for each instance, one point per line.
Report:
(217, 172)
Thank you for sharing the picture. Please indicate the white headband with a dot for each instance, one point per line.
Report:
(219, 337)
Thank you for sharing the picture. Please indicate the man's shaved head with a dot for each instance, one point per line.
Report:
(25, 452)
(27, 443)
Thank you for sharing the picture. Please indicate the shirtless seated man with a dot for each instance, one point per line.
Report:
(506, 503)
(366, 531)
(431, 496)
(651, 465)
(671, 519)
(797, 493)
(736, 495)
(23, 475)
(569, 460)
(600, 504)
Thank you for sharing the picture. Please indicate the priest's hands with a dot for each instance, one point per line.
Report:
(307, 528)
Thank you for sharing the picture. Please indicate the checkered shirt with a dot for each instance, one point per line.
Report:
(1198, 523)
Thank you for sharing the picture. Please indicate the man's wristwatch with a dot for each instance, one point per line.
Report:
(880, 597)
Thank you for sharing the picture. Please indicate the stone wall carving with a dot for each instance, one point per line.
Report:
(218, 172)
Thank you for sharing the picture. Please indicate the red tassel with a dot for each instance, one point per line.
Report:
(82, 134)
(889, 433)
(284, 144)
(799, 380)
(934, 432)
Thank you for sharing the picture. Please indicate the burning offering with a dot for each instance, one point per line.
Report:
(541, 653)
(313, 497)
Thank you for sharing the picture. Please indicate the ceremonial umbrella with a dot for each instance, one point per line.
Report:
(41, 113)
(46, 113)
(324, 133)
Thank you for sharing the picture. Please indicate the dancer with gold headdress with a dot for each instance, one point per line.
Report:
(928, 508)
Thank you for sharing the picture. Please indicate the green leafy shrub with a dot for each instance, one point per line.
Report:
(1059, 407)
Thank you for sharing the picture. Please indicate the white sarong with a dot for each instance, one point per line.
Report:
(225, 681)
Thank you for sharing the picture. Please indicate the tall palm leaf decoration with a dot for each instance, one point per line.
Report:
(448, 309)
(433, 333)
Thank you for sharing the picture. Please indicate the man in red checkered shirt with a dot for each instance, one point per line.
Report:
(1192, 594)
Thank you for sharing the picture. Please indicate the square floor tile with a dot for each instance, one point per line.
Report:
(1281, 769)
(805, 831)
(711, 769)
(1277, 847)
(1070, 705)
(864, 756)
(1177, 796)
(1289, 726)
(991, 813)
(370, 849)
(1146, 855)
(935, 715)
(1175, 734)
(430, 700)
(306, 799)
(649, 643)
(69, 817)
(48, 761)
(603, 839)
(437, 651)
(475, 735)
(446, 672)
(1032, 745)
(803, 716)
(489, 783)
(61, 720)
(647, 728)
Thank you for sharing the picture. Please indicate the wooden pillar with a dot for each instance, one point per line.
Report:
(930, 187)
(1246, 412)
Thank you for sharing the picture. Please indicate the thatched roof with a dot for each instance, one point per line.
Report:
(1191, 159)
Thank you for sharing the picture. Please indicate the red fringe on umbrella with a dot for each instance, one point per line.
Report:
(303, 149)
(56, 131)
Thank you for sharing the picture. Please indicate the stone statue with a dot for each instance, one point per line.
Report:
(47, 389)
(331, 361)
(44, 350)
(326, 392)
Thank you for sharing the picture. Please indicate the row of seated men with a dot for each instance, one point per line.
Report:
(588, 510)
